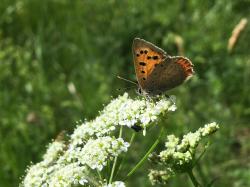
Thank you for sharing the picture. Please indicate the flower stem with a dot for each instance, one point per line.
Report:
(99, 174)
(193, 179)
(145, 156)
(201, 155)
(115, 161)
(122, 161)
(201, 173)
(132, 138)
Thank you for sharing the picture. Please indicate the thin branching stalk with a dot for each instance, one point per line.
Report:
(144, 158)
(132, 138)
(123, 158)
(201, 173)
(115, 161)
(99, 175)
(193, 179)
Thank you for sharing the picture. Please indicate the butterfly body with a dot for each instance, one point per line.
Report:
(156, 71)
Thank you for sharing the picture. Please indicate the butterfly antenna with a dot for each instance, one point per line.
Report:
(126, 80)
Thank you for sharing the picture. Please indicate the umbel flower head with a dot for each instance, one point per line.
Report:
(179, 155)
(93, 144)
(123, 111)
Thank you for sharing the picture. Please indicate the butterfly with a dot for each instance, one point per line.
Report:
(156, 71)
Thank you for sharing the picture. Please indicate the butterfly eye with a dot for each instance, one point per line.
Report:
(139, 91)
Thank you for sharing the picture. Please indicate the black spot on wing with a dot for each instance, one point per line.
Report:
(145, 51)
(149, 57)
(155, 57)
(142, 71)
(137, 54)
(141, 51)
(142, 63)
(144, 78)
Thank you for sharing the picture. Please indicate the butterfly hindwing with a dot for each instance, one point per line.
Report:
(146, 57)
(168, 74)
(186, 64)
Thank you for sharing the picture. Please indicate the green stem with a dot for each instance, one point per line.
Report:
(99, 174)
(201, 173)
(198, 166)
(120, 132)
(145, 156)
(122, 161)
(193, 179)
(132, 138)
(115, 161)
(201, 155)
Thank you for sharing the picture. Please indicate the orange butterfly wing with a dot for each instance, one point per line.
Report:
(146, 57)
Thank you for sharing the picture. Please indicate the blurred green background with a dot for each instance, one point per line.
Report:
(50, 47)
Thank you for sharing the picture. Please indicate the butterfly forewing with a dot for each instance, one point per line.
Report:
(146, 57)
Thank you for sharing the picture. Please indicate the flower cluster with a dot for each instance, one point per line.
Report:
(70, 174)
(92, 144)
(123, 111)
(179, 155)
(73, 167)
(96, 152)
(51, 172)
(53, 152)
(160, 176)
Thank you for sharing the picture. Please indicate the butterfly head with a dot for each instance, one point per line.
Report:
(149, 93)
(140, 91)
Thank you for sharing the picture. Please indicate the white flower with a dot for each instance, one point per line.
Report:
(116, 184)
(209, 129)
(69, 175)
(171, 142)
(160, 176)
(53, 152)
(172, 108)
(36, 175)
(192, 138)
(97, 152)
